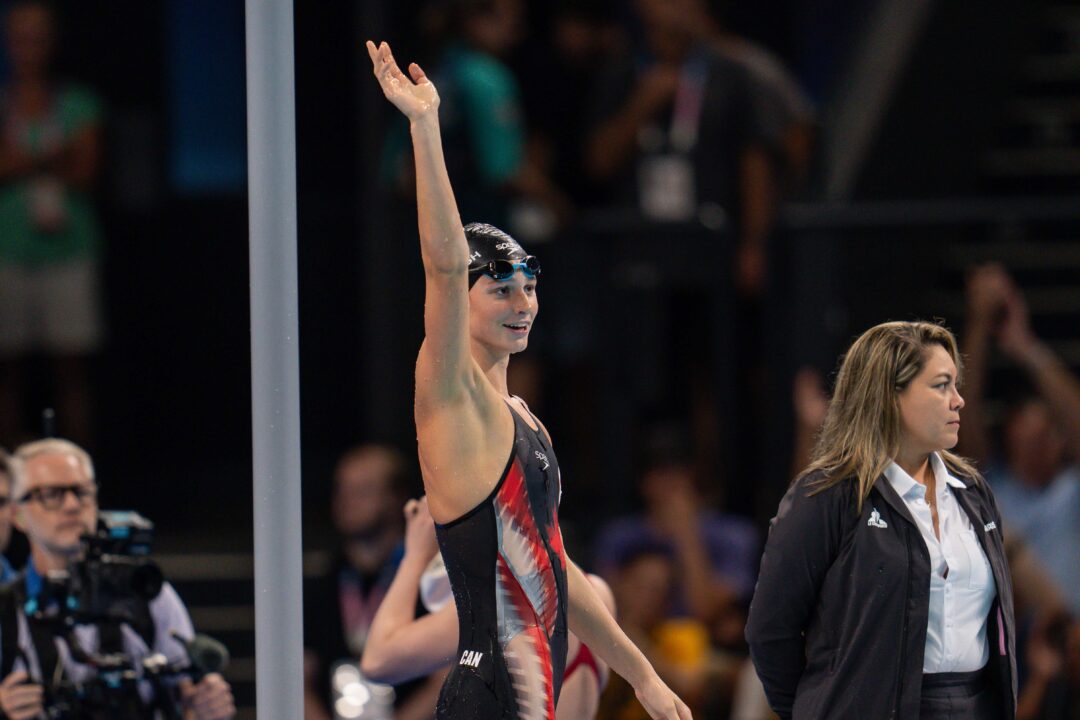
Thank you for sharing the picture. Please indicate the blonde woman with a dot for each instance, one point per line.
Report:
(490, 471)
(884, 591)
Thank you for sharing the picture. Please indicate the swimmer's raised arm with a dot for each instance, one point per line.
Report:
(445, 362)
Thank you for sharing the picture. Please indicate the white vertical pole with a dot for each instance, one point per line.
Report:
(275, 383)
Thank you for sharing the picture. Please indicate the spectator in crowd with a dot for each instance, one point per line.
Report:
(682, 136)
(484, 133)
(558, 72)
(1036, 479)
(697, 129)
(714, 555)
(49, 237)
(7, 510)
(56, 494)
(679, 647)
(339, 606)
(402, 646)
(810, 403)
(1052, 690)
(785, 111)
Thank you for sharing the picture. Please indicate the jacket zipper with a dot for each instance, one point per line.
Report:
(903, 627)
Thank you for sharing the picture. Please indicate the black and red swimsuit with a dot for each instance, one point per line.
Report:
(507, 569)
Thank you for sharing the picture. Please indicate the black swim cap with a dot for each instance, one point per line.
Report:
(487, 243)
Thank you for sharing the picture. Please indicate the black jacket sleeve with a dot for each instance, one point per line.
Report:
(804, 539)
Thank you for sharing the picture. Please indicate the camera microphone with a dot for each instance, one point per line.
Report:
(206, 654)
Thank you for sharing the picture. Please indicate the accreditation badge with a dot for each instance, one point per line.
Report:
(666, 187)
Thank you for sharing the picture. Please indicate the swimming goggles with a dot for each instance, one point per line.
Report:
(504, 269)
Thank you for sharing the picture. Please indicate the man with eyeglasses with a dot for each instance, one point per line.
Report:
(55, 496)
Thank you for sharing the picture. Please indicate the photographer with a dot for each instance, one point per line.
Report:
(56, 505)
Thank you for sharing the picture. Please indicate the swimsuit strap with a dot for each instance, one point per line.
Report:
(584, 658)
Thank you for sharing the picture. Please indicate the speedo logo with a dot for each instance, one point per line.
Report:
(505, 246)
(470, 658)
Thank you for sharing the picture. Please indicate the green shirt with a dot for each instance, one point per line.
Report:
(21, 241)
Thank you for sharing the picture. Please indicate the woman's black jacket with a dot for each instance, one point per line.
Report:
(837, 625)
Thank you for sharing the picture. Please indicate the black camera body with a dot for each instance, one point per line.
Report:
(110, 584)
(115, 578)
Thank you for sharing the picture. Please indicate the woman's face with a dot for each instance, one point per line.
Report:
(930, 405)
(502, 312)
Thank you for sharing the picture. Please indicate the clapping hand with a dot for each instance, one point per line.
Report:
(988, 286)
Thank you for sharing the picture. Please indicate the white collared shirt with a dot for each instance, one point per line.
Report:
(959, 604)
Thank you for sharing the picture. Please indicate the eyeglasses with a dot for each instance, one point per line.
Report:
(52, 497)
(504, 269)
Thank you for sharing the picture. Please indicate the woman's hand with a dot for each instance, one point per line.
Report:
(988, 288)
(416, 97)
(420, 538)
(1015, 336)
(809, 399)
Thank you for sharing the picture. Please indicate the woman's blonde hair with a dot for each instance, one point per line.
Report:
(862, 429)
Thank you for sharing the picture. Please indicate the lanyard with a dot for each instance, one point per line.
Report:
(689, 98)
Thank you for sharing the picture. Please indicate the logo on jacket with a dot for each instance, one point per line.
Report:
(542, 458)
(990, 526)
(876, 521)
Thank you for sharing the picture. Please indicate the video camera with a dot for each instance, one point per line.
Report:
(109, 585)
(115, 576)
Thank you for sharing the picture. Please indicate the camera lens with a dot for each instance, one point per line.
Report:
(146, 580)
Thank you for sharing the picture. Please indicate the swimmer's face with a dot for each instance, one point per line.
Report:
(502, 312)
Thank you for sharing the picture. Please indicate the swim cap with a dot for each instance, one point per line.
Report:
(487, 243)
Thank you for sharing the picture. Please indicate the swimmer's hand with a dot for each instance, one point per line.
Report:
(660, 702)
(414, 97)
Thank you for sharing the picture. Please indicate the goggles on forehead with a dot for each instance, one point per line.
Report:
(504, 269)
